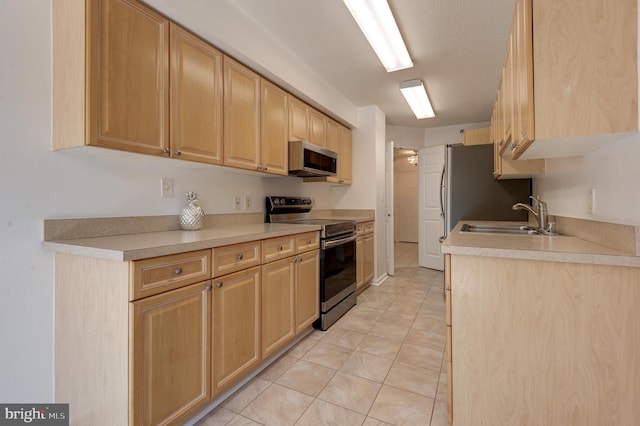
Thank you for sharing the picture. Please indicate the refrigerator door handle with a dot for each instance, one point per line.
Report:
(442, 214)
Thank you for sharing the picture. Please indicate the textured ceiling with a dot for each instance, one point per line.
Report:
(457, 48)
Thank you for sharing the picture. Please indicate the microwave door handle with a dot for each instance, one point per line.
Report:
(333, 243)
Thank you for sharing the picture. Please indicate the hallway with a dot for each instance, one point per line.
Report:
(380, 364)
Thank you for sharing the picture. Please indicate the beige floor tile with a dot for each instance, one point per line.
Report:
(322, 413)
(416, 293)
(379, 301)
(328, 355)
(348, 339)
(364, 312)
(354, 323)
(220, 416)
(440, 415)
(245, 395)
(278, 405)
(413, 379)
(441, 395)
(400, 407)
(379, 346)
(391, 331)
(434, 340)
(303, 347)
(367, 366)
(370, 421)
(276, 369)
(354, 393)
(397, 318)
(240, 420)
(420, 356)
(306, 377)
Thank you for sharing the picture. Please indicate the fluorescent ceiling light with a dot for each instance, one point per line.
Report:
(416, 96)
(376, 22)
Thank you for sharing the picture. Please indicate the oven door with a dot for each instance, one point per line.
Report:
(337, 271)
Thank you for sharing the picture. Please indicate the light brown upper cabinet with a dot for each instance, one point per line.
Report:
(333, 136)
(576, 78)
(241, 116)
(274, 124)
(317, 128)
(345, 157)
(298, 120)
(110, 76)
(196, 98)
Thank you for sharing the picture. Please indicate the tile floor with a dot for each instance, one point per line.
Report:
(380, 364)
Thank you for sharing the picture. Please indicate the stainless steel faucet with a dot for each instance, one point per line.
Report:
(539, 210)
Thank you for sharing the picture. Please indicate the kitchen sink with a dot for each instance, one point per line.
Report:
(499, 229)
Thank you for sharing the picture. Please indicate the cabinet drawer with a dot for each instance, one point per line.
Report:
(278, 248)
(160, 274)
(307, 242)
(359, 228)
(235, 257)
(368, 227)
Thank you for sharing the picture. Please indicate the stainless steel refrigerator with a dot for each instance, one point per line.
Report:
(469, 191)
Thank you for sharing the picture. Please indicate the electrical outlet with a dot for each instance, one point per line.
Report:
(166, 189)
(592, 201)
(237, 202)
(248, 202)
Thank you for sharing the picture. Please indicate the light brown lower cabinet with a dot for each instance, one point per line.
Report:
(541, 342)
(364, 254)
(154, 341)
(171, 368)
(236, 327)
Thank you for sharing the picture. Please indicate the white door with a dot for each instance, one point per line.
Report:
(388, 172)
(431, 218)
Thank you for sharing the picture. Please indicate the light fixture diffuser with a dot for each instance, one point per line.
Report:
(416, 96)
(376, 21)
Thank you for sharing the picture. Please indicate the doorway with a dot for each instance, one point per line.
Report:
(405, 171)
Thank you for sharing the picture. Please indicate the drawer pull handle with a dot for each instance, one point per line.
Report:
(240, 256)
(177, 271)
(308, 241)
(219, 285)
(279, 248)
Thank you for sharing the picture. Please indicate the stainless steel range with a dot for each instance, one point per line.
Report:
(337, 255)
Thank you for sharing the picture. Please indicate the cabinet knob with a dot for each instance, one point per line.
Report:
(308, 241)
(208, 288)
(240, 256)
(280, 248)
(178, 152)
(177, 271)
(166, 151)
(219, 285)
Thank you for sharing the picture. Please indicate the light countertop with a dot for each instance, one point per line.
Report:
(560, 248)
(151, 244)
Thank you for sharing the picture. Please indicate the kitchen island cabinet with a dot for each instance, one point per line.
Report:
(541, 330)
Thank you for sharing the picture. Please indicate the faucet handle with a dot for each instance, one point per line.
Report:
(538, 203)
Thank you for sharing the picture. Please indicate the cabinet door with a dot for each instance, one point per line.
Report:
(171, 357)
(307, 290)
(236, 327)
(359, 263)
(524, 78)
(317, 128)
(241, 116)
(344, 159)
(277, 305)
(196, 98)
(274, 124)
(129, 77)
(367, 242)
(333, 136)
(298, 120)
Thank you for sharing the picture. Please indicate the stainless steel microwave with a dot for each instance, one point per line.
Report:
(310, 160)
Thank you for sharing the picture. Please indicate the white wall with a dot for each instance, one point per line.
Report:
(368, 188)
(36, 183)
(613, 171)
(406, 137)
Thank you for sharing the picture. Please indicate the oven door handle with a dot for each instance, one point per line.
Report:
(333, 243)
